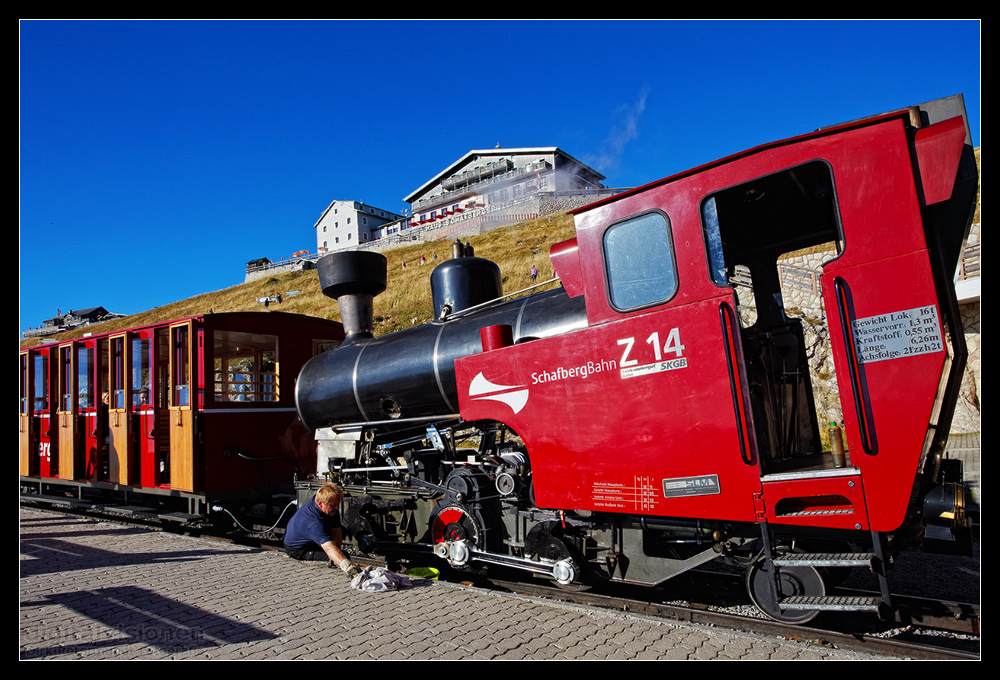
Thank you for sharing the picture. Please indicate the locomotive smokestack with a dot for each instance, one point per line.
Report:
(353, 278)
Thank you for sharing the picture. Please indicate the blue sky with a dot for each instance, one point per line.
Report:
(157, 158)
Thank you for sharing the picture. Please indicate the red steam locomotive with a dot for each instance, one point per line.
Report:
(640, 420)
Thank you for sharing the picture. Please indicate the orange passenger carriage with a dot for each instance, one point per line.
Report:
(172, 417)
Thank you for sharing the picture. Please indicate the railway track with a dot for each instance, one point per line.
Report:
(932, 640)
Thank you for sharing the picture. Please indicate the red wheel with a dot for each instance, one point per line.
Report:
(454, 524)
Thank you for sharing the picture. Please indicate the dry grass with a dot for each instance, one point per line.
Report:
(407, 299)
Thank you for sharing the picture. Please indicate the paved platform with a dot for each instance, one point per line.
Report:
(96, 590)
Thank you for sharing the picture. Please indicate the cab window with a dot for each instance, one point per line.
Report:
(639, 262)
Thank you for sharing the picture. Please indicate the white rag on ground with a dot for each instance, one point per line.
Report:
(379, 580)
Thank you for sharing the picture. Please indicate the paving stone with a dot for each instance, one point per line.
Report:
(97, 590)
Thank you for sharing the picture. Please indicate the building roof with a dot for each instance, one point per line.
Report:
(348, 201)
(89, 312)
(499, 152)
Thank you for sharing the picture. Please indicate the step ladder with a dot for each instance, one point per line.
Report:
(874, 560)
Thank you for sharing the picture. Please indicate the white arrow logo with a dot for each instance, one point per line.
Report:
(516, 399)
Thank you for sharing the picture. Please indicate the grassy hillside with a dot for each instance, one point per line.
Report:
(407, 299)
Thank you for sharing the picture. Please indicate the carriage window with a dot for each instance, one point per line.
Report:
(639, 261)
(85, 382)
(141, 386)
(117, 379)
(41, 383)
(246, 367)
(66, 378)
(180, 368)
(23, 384)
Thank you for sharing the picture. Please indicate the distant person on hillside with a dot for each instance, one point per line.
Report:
(534, 273)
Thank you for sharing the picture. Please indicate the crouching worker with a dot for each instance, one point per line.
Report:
(314, 532)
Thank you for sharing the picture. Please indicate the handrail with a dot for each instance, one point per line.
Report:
(853, 365)
(739, 404)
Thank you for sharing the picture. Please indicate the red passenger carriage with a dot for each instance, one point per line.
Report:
(169, 417)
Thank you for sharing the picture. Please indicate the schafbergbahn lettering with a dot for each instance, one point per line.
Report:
(581, 371)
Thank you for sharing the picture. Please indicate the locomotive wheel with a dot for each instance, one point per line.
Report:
(453, 523)
(804, 581)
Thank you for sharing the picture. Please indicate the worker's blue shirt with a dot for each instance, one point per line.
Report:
(310, 525)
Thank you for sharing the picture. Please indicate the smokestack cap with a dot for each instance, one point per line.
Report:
(352, 272)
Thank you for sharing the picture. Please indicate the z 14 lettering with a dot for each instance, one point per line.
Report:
(672, 346)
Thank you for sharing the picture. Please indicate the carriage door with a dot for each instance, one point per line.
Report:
(68, 429)
(144, 409)
(25, 429)
(42, 424)
(90, 420)
(119, 421)
(182, 468)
